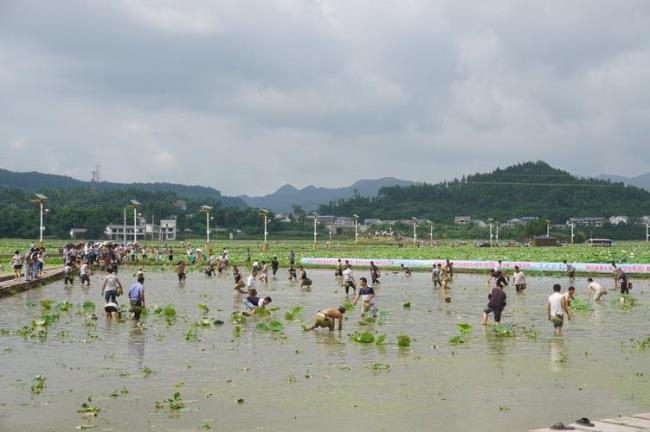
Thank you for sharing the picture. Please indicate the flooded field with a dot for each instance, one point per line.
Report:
(251, 378)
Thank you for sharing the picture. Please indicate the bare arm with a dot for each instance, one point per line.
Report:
(356, 299)
(566, 309)
(340, 323)
(548, 311)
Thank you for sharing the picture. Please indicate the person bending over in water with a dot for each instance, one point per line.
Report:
(292, 272)
(496, 304)
(597, 289)
(252, 302)
(111, 309)
(327, 318)
(406, 270)
(305, 282)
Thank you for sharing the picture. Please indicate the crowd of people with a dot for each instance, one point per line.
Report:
(106, 256)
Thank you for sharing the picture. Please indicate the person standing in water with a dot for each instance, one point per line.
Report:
(435, 275)
(339, 269)
(180, 271)
(557, 309)
(112, 287)
(136, 297)
(348, 280)
(375, 274)
(367, 295)
(84, 274)
(519, 280)
(275, 265)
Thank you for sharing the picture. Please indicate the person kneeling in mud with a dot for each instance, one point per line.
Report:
(327, 318)
(305, 282)
(252, 302)
(367, 295)
(209, 270)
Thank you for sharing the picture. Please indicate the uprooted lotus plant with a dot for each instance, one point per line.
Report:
(580, 305)
(293, 314)
(167, 312)
(403, 341)
(363, 337)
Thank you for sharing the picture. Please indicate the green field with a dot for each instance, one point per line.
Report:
(624, 252)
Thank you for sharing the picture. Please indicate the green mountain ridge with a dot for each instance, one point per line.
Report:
(36, 182)
(525, 189)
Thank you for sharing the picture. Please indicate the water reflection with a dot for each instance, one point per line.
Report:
(136, 343)
(557, 354)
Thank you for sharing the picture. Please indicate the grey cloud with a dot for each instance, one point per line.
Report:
(246, 96)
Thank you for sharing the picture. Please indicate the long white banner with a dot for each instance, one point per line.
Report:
(478, 265)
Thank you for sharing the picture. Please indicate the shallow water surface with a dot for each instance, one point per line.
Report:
(295, 380)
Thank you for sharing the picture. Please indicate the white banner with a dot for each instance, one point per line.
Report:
(481, 265)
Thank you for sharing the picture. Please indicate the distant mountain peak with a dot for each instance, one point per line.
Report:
(310, 197)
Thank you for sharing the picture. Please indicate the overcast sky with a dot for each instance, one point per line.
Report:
(248, 95)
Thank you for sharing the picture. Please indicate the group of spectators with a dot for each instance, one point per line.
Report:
(30, 264)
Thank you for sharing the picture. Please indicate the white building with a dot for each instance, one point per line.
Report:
(463, 220)
(616, 220)
(168, 229)
(587, 221)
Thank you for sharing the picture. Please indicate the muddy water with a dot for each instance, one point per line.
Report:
(295, 380)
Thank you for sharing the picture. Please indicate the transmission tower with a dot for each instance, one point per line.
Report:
(94, 182)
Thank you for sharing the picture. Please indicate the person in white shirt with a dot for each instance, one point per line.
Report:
(348, 280)
(251, 282)
(84, 274)
(497, 267)
(597, 289)
(519, 280)
(557, 309)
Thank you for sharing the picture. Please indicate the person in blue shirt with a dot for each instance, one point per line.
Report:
(136, 297)
(367, 295)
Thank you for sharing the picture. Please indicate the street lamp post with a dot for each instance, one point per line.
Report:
(647, 231)
(134, 205)
(356, 228)
(572, 233)
(124, 227)
(41, 200)
(497, 232)
(206, 209)
(315, 229)
(265, 213)
(491, 235)
(415, 229)
(548, 228)
(431, 232)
